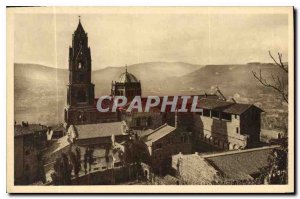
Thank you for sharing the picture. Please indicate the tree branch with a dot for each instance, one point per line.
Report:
(280, 64)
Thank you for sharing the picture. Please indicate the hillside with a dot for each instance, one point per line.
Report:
(40, 91)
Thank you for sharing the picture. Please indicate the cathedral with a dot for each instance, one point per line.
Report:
(81, 102)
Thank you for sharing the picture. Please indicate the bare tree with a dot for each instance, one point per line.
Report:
(278, 82)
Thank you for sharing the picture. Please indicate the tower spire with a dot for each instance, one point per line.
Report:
(79, 18)
(126, 68)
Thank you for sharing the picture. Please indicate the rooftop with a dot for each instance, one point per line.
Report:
(238, 109)
(87, 131)
(240, 165)
(27, 129)
(159, 133)
(193, 169)
(127, 77)
(224, 106)
(213, 103)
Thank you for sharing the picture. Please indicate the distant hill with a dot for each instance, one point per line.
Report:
(151, 74)
(231, 79)
(40, 91)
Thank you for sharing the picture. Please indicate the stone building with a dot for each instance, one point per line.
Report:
(81, 103)
(142, 120)
(29, 141)
(127, 85)
(100, 135)
(164, 142)
(228, 125)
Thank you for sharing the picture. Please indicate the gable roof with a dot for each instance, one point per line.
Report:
(237, 109)
(159, 133)
(240, 165)
(225, 106)
(59, 127)
(213, 103)
(87, 131)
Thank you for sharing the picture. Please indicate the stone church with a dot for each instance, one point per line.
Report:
(81, 102)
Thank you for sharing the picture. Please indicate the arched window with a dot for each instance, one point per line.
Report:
(80, 65)
(81, 96)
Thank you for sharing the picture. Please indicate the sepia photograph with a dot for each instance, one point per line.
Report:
(150, 100)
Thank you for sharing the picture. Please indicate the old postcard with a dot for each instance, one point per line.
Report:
(150, 100)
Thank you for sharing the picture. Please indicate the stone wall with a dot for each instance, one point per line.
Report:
(223, 134)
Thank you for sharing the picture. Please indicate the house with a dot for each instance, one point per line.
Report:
(164, 142)
(228, 125)
(29, 141)
(101, 134)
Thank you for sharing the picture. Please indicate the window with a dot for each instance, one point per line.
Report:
(237, 129)
(215, 114)
(226, 116)
(79, 65)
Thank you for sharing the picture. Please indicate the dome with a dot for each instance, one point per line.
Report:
(127, 78)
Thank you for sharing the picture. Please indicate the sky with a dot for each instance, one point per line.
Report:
(120, 39)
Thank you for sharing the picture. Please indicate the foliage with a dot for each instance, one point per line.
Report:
(75, 159)
(135, 152)
(62, 171)
(276, 172)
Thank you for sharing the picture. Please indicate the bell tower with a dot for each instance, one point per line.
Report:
(80, 93)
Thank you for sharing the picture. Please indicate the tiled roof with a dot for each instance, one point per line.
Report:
(57, 146)
(224, 106)
(87, 131)
(238, 109)
(159, 133)
(127, 78)
(239, 165)
(31, 128)
(194, 169)
(213, 104)
(59, 127)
